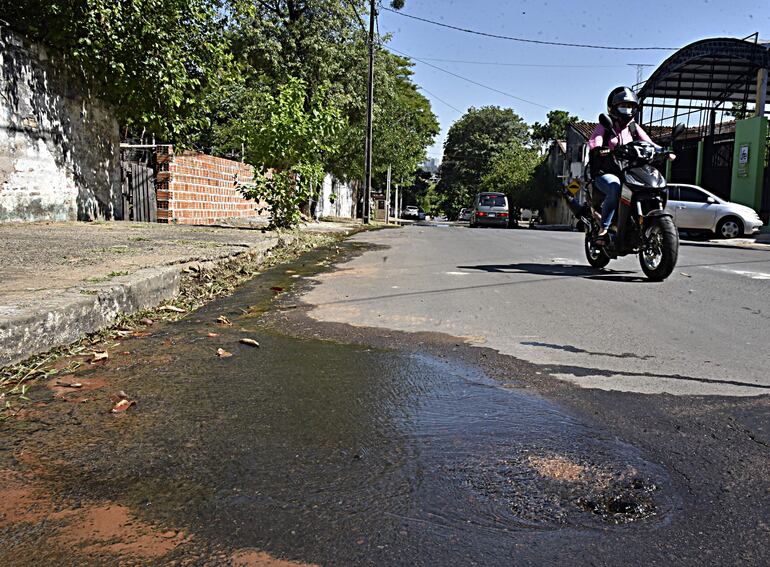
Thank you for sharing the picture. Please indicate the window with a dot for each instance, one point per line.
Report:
(673, 192)
(492, 201)
(692, 195)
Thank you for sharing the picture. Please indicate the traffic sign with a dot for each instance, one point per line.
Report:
(574, 186)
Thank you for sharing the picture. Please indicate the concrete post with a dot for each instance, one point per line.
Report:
(761, 92)
(387, 198)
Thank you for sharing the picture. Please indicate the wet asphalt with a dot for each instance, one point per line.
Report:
(333, 444)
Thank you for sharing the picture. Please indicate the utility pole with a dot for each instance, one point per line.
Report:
(369, 109)
(639, 72)
(387, 198)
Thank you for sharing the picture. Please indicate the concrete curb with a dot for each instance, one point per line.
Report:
(90, 308)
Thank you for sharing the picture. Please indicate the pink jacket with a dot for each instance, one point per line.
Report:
(597, 137)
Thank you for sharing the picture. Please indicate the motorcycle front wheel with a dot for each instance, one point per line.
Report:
(660, 249)
(595, 254)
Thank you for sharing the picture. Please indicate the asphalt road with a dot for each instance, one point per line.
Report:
(531, 294)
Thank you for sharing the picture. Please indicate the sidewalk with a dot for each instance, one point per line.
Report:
(59, 281)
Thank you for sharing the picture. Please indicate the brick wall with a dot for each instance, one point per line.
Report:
(196, 188)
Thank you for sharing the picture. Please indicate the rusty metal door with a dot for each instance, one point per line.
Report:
(139, 199)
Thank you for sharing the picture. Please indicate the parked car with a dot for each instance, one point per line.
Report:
(694, 208)
(489, 209)
(411, 212)
(465, 215)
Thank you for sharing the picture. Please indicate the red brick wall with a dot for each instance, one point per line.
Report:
(196, 188)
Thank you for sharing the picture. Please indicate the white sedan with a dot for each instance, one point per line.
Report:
(694, 208)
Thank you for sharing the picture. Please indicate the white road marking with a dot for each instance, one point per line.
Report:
(752, 275)
(456, 273)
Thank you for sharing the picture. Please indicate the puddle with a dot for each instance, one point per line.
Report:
(324, 453)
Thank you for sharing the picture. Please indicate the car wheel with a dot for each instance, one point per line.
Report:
(730, 227)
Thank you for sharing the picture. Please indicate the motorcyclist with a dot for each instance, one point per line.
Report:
(622, 105)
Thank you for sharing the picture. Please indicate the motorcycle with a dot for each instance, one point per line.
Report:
(642, 224)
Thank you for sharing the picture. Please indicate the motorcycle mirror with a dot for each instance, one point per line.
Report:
(605, 121)
(677, 131)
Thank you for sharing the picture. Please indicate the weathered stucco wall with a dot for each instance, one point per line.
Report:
(59, 149)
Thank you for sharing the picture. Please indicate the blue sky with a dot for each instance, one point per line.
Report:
(572, 79)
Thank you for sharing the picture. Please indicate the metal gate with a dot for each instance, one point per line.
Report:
(138, 167)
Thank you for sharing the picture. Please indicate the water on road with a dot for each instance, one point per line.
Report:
(312, 451)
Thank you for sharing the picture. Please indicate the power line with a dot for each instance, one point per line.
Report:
(526, 40)
(438, 99)
(467, 79)
(505, 64)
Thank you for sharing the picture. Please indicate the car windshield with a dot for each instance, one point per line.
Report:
(492, 201)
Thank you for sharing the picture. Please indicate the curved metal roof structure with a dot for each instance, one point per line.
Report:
(716, 70)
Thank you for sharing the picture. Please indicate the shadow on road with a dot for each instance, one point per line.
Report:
(567, 270)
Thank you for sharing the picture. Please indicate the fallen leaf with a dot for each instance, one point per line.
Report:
(685, 275)
(69, 384)
(290, 272)
(276, 289)
(212, 335)
(123, 333)
(222, 320)
(146, 321)
(120, 395)
(250, 342)
(173, 308)
(97, 355)
(222, 353)
(122, 405)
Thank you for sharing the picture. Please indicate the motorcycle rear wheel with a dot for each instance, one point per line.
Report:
(596, 256)
(660, 250)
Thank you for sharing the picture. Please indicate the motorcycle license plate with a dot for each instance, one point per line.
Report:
(492, 214)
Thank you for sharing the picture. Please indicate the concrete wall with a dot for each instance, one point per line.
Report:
(344, 199)
(59, 149)
(195, 188)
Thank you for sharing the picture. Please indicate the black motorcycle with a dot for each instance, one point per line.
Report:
(642, 224)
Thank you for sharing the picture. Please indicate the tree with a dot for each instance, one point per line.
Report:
(153, 60)
(554, 129)
(287, 138)
(512, 172)
(471, 145)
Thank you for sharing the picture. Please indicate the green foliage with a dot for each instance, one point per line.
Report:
(282, 83)
(471, 145)
(287, 137)
(430, 200)
(151, 59)
(512, 172)
(554, 129)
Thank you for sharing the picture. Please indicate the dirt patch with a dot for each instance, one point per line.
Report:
(112, 529)
(252, 558)
(557, 468)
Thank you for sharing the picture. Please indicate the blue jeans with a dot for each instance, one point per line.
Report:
(609, 185)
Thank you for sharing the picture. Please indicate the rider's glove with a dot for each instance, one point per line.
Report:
(671, 156)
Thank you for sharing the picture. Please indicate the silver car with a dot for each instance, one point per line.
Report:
(694, 208)
(489, 209)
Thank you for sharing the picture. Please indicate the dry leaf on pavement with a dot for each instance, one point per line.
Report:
(250, 342)
(173, 308)
(222, 320)
(122, 405)
(222, 353)
(99, 355)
